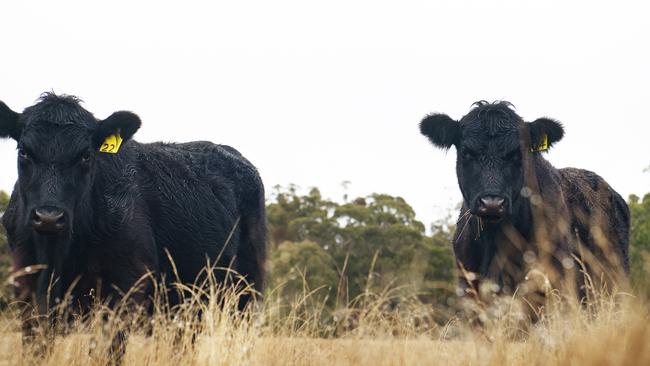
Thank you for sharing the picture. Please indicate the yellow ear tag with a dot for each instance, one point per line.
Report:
(112, 144)
(542, 146)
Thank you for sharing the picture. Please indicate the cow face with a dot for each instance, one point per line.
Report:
(491, 142)
(58, 143)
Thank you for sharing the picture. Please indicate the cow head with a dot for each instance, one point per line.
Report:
(58, 145)
(492, 144)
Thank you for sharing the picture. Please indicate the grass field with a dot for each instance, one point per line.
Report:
(612, 330)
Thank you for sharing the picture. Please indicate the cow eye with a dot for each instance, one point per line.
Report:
(468, 155)
(84, 158)
(23, 154)
(514, 156)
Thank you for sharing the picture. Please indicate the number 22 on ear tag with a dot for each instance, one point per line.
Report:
(112, 144)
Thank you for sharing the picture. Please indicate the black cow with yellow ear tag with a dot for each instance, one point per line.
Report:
(521, 214)
(95, 211)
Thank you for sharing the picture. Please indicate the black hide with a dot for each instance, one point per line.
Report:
(105, 220)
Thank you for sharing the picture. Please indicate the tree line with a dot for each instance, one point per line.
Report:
(339, 250)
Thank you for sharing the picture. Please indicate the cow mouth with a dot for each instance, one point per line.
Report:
(48, 232)
(52, 230)
(491, 218)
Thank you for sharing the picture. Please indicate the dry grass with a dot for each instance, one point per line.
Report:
(611, 330)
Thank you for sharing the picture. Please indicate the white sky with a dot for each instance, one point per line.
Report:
(317, 93)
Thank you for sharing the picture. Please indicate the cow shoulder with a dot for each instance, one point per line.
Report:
(224, 160)
(581, 184)
(588, 196)
(196, 166)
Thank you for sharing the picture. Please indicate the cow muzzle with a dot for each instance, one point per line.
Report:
(49, 220)
(492, 208)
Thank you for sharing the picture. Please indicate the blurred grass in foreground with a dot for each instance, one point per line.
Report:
(314, 317)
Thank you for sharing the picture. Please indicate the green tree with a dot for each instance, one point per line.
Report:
(439, 265)
(640, 243)
(379, 240)
(296, 218)
(300, 268)
(5, 261)
(374, 242)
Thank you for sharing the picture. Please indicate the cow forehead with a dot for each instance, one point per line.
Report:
(490, 136)
(51, 141)
(492, 127)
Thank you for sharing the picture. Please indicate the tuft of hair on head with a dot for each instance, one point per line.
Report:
(496, 103)
(479, 104)
(442, 131)
(52, 97)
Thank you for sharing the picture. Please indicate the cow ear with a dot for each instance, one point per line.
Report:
(10, 125)
(125, 124)
(441, 130)
(544, 132)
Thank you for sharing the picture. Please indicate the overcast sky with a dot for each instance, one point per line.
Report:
(317, 93)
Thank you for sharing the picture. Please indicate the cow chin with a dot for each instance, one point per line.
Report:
(53, 234)
(489, 217)
(492, 219)
(53, 239)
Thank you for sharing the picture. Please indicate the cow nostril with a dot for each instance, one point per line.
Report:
(492, 201)
(491, 207)
(51, 216)
(36, 218)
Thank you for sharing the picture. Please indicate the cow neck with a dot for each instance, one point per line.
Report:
(551, 207)
(105, 199)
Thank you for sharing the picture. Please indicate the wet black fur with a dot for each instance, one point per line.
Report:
(126, 209)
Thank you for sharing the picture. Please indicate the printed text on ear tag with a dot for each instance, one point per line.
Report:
(542, 146)
(112, 144)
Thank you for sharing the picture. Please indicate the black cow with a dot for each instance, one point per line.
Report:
(92, 205)
(520, 214)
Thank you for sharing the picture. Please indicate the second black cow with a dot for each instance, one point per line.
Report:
(520, 214)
